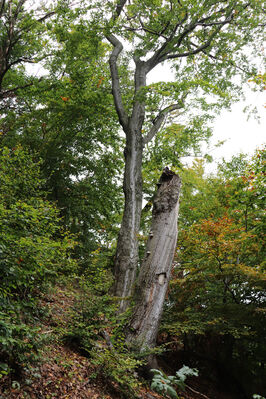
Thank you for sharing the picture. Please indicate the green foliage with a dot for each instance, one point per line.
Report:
(205, 44)
(91, 315)
(22, 36)
(118, 369)
(163, 384)
(30, 254)
(71, 124)
(97, 277)
(94, 308)
(33, 251)
(183, 373)
(220, 248)
(217, 291)
(95, 330)
(68, 119)
(20, 341)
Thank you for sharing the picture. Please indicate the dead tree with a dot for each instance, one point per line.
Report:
(153, 279)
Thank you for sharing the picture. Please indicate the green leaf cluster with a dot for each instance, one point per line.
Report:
(118, 370)
(163, 384)
(33, 252)
(67, 118)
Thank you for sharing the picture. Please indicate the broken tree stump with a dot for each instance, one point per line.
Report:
(153, 279)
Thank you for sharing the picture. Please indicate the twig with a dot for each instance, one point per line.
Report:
(5, 93)
(196, 392)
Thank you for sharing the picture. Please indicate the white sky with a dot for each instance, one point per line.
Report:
(241, 134)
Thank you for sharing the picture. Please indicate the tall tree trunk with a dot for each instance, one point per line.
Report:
(155, 271)
(126, 260)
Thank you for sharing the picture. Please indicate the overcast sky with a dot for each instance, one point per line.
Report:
(242, 134)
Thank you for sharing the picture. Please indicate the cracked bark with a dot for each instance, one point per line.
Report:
(156, 267)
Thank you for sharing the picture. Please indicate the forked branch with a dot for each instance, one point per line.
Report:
(158, 121)
(117, 48)
(170, 49)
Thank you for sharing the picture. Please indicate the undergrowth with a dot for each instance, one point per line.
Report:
(95, 331)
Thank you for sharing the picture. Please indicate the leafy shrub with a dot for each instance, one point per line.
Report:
(90, 315)
(87, 322)
(118, 369)
(33, 251)
(19, 342)
(163, 384)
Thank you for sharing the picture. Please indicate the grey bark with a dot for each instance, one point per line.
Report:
(126, 259)
(156, 267)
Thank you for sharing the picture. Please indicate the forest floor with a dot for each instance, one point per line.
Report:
(63, 373)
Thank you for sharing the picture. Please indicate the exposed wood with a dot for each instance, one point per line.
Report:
(156, 267)
(126, 259)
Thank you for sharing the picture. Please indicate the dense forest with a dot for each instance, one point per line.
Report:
(124, 271)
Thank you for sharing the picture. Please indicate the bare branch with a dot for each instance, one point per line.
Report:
(197, 50)
(7, 92)
(148, 30)
(225, 21)
(202, 22)
(229, 61)
(155, 59)
(117, 48)
(29, 60)
(196, 392)
(46, 16)
(119, 8)
(18, 9)
(187, 53)
(158, 121)
(164, 53)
